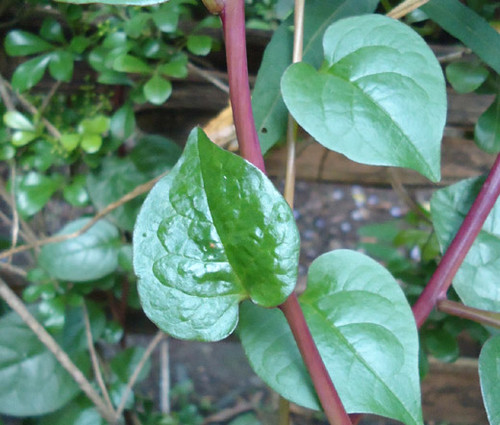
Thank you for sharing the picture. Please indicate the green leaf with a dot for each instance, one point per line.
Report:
(79, 412)
(26, 367)
(476, 281)
(155, 154)
(466, 25)
(176, 67)
(132, 64)
(22, 43)
(98, 125)
(52, 30)
(157, 90)
(29, 73)
(122, 124)
(379, 99)
(489, 374)
(76, 193)
(199, 44)
(271, 115)
(350, 305)
(166, 17)
(211, 233)
(91, 143)
(17, 121)
(61, 65)
(124, 364)
(87, 257)
(6, 152)
(79, 43)
(33, 191)
(118, 2)
(135, 26)
(115, 178)
(487, 130)
(466, 76)
(22, 138)
(246, 419)
(441, 344)
(70, 141)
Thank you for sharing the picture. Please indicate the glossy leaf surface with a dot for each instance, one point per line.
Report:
(271, 115)
(212, 233)
(476, 281)
(350, 304)
(466, 76)
(487, 130)
(23, 43)
(489, 374)
(32, 382)
(33, 191)
(379, 99)
(90, 256)
(157, 90)
(29, 73)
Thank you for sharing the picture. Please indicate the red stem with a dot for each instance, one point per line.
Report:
(453, 257)
(233, 24)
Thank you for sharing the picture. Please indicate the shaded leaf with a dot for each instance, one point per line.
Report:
(79, 412)
(489, 373)
(52, 30)
(125, 362)
(176, 67)
(122, 123)
(211, 233)
(61, 65)
(466, 76)
(487, 129)
(76, 193)
(26, 367)
(271, 115)
(155, 154)
(379, 99)
(87, 257)
(166, 17)
(350, 305)
(29, 73)
(476, 281)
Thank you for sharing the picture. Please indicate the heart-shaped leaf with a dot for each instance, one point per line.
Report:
(489, 373)
(379, 98)
(212, 233)
(364, 330)
(476, 281)
(90, 256)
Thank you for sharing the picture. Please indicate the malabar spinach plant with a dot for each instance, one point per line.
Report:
(216, 247)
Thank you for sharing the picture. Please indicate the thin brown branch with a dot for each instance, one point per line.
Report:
(13, 269)
(241, 407)
(4, 94)
(139, 190)
(484, 317)
(150, 348)
(49, 96)
(164, 377)
(95, 361)
(15, 213)
(62, 357)
(406, 7)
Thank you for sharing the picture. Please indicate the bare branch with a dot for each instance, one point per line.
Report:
(406, 7)
(207, 75)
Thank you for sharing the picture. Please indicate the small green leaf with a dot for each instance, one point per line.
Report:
(33, 191)
(26, 367)
(97, 125)
(371, 100)
(135, 26)
(466, 76)
(91, 143)
(199, 44)
(89, 256)
(22, 138)
(131, 64)
(476, 281)
(489, 374)
(211, 233)
(76, 193)
(157, 90)
(166, 18)
(22, 43)
(79, 412)
(487, 130)
(350, 305)
(61, 65)
(6, 152)
(441, 344)
(52, 30)
(176, 67)
(122, 123)
(29, 73)
(70, 141)
(17, 121)
(79, 43)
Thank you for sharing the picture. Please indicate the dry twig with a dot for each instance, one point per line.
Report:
(406, 7)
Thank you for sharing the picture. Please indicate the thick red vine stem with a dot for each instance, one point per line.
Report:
(453, 257)
(233, 24)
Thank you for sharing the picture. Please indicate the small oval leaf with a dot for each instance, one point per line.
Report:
(157, 90)
(211, 233)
